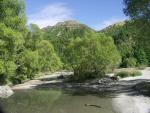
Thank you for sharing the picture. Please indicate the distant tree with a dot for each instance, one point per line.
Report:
(34, 36)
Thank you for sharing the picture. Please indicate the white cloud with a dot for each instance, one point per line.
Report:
(50, 15)
(106, 23)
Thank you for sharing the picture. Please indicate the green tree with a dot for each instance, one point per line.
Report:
(94, 54)
(141, 57)
(28, 66)
(12, 31)
(13, 14)
(10, 43)
(48, 59)
(61, 35)
(34, 36)
(139, 11)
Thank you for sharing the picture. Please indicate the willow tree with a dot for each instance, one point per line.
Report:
(12, 31)
(94, 55)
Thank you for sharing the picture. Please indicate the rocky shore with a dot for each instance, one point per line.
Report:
(5, 91)
(105, 84)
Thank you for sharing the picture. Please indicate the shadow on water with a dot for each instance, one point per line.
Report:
(56, 101)
(105, 90)
(1, 110)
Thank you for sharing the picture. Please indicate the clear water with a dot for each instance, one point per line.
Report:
(55, 101)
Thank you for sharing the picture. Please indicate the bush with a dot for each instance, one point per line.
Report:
(124, 74)
(141, 57)
(131, 62)
(80, 78)
(92, 55)
(141, 67)
(135, 73)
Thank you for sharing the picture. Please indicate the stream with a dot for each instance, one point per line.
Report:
(56, 101)
(49, 99)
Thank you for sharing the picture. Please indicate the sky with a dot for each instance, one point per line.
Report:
(97, 14)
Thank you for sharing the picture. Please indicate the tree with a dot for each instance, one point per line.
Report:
(13, 14)
(10, 43)
(94, 54)
(139, 11)
(12, 31)
(61, 35)
(34, 36)
(28, 66)
(141, 57)
(48, 59)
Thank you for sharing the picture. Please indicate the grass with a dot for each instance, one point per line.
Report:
(124, 74)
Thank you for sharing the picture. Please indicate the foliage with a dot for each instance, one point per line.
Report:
(139, 11)
(94, 54)
(34, 36)
(48, 60)
(28, 66)
(13, 14)
(141, 57)
(61, 35)
(124, 74)
(130, 62)
(129, 41)
(22, 53)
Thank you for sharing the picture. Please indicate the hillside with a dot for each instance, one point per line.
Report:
(134, 47)
(61, 34)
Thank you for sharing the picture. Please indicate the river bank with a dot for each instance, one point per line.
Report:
(97, 85)
(126, 95)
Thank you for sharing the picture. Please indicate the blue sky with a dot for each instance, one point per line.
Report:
(94, 13)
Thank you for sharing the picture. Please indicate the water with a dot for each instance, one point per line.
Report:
(55, 101)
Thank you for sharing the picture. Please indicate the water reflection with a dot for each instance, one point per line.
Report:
(55, 101)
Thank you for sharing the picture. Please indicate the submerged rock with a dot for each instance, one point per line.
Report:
(5, 91)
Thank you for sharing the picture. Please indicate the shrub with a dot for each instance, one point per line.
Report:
(80, 78)
(141, 67)
(141, 57)
(131, 62)
(124, 74)
(135, 73)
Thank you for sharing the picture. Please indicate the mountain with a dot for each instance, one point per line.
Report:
(113, 27)
(70, 24)
(61, 34)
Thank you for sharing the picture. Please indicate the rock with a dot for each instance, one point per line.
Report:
(143, 87)
(105, 80)
(5, 91)
(61, 77)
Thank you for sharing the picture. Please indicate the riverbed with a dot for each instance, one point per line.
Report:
(51, 95)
